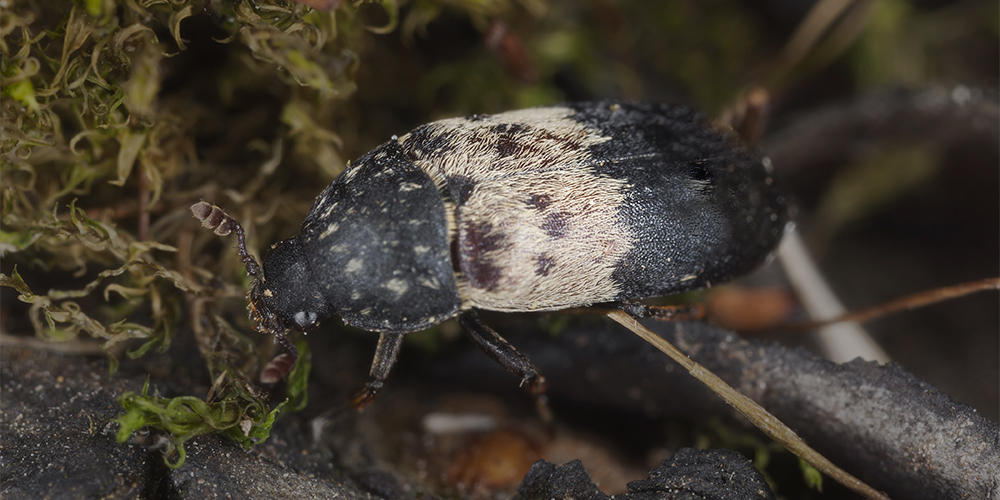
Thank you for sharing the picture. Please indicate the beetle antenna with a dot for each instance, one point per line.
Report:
(222, 223)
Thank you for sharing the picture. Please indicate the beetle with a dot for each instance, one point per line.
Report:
(543, 209)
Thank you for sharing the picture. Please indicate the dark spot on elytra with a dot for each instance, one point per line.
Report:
(539, 201)
(508, 145)
(426, 140)
(479, 240)
(556, 224)
(544, 265)
(513, 139)
(483, 274)
(509, 128)
(461, 188)
(570, 143)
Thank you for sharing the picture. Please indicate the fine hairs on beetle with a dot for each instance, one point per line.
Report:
(593, 204)
(535, 210)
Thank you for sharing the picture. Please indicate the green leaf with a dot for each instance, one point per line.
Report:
(131, 142)
(298, 378)
(16, 282)
(812, 476)
(23, 92)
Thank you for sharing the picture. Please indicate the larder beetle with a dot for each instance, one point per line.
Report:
(536, 210)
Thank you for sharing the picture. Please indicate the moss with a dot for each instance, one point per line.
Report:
(238, 413)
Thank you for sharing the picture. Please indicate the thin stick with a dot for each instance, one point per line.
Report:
(909, 302)
(760, 417)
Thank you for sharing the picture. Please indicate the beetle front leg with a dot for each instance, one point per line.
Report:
(385, 357)
(502, 352)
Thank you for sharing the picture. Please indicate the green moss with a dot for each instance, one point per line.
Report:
(239, 413)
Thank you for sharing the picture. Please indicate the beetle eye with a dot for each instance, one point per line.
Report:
(304, 320)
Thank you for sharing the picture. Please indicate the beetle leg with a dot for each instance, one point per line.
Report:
(502, 352)
(385, 357)
(282, 364)
(282, 338)
(681, 312)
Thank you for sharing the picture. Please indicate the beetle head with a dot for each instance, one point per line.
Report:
(284, 294)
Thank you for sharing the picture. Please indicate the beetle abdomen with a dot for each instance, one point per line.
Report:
(567, 206)
(700, 207)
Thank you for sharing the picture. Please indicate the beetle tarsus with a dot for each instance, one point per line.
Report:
(537, 385)
(385, 357)
(366, 395)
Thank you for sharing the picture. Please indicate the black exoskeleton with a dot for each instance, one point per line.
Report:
(535, 210)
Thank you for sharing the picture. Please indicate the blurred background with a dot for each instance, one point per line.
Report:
(882, 125)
